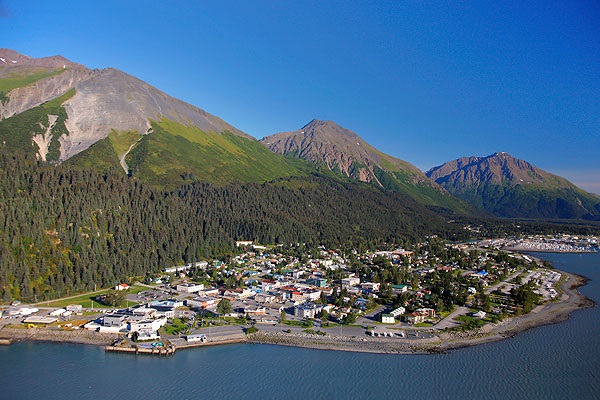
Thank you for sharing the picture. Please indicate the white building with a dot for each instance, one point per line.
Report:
(189, 287)
(388, 319)
(398, 311)
(351, 281)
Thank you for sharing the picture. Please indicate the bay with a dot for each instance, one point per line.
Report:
(560, 361)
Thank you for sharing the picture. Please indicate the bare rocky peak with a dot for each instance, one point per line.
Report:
(325, 142)
(113, 99)
(104, 100)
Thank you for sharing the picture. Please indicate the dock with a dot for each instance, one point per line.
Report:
(155, 351)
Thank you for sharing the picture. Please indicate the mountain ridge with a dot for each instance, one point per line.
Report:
(510, 187)
(325, 143)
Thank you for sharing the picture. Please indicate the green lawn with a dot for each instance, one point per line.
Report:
(88, 299)
(176, 327)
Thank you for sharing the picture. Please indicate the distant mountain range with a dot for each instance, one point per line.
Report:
(513, 188)
(63, 112)
(326, 144)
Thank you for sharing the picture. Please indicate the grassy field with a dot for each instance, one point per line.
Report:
(87, 300)
(17, 80)
(175, 153)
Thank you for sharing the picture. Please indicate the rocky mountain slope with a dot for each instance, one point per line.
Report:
(59, 109)
(510, 187)
(327, 144)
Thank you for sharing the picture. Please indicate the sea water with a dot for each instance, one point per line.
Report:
(560, 361)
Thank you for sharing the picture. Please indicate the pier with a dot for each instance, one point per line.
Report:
(155, 351)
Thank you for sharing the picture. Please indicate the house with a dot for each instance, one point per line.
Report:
(479, 314)
(398, 311)
(350, 281)
(318, 282)
(264, 298)
(388, 319)
(312, 295)
(370, 286)
(122, 286)
(419, 315)
(400, 288)
(428, 312)
(414, 318)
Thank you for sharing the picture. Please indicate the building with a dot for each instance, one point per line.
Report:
(318, 282)
(122, 286)
(202, 302)
(398, 311)
(75, 308)
(388, 319)
(196, 338)
(351, 281)
(308, 310)
(370, 286)
(400, 288)
(264, 298)
(189, 287)
(146, 329)
(114, 320)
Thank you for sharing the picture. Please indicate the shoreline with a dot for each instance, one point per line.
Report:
(532, 250)
(549, 313)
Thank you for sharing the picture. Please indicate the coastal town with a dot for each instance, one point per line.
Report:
(387, 300)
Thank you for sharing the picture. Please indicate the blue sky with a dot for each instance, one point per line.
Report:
(424, 81)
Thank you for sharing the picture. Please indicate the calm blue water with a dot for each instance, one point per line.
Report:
(552, 362)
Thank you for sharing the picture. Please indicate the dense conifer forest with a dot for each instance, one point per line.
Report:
(65, 230)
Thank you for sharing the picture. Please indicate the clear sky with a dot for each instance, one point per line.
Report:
(424, 81)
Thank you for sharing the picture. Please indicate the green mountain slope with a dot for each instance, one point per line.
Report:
(173, 154)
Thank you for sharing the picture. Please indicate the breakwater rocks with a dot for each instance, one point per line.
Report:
(349, 343)
(79, 336)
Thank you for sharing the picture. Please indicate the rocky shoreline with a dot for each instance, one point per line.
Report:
(441, 342)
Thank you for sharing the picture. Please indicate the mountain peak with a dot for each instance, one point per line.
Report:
(511, 187)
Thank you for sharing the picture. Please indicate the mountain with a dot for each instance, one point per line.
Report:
(513, 188)
(65, 112)
(327, 144)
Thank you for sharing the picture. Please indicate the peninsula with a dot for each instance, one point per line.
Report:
(429, 299)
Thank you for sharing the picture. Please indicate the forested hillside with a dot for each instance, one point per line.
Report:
(64, 230)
